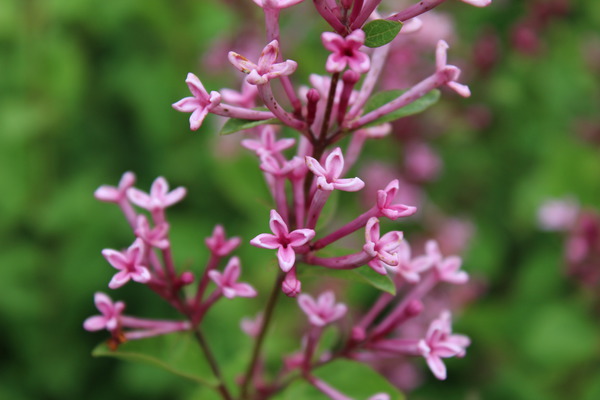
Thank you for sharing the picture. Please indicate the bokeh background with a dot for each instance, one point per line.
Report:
(85, 94)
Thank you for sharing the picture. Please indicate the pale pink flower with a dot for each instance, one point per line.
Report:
(346, 52)
(159, 197)
(421, 162)
(452, 72)
(267, 68)
(246, 98)
(380, 396)
(200, 104)
(155, 237)
(268, 142)
(328, 176)
(558, 214)
(219, 245)
(383, 249)
(447, 269)
(272, 165)
(324, 310)
(386, 197)
(111, 314)
(478, 3)
(227, 281)
(440, 343)
(283, 240)
(130, 264)
(277, 4)
(111, 194)
(410, 268)
(251, 326)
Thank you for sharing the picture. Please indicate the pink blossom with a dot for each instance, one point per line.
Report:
(450, 71)
(386, 197)
(268, 142)
(270, 164)
(324, 310)
(410, 268)
(111, 194)
(156, 237)
(283, 240)
(227, 281)
(558, 214)
(440, 343)
(447, 269)
(346, 52)
(328, 176)
(251, 326)
(267, 68)
(111, 314)
(277, 4)
(159, 197)
(219, 245)
(130, 264)
(291, 286)
(245, 98)
(478, 3)
(384, 249)
(200, 104)
(421, 162)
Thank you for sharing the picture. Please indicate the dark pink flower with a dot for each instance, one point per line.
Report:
(130, 264)
(200, 104)
(111, 314)
(283, 240)
(440, 343)
(324, 310)
(346, 52)
(386, 197)
(155, 237)
(111, 194)
(382, 249)
(159, 197)
(227, 281)
(219, 245)
(267, 67)
(328, 176)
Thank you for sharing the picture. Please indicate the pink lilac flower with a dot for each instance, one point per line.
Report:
(277, 4)
(386, 197)
(346, 52)
(155, 237)
(227, 281)
(410, 268)
(291, 286)
(251, 326)
(283, 240)
(130, 264)
(246, 98)
(558, 214)
(421, 162)
(219, 245)
(268, 142)
(267, 68)
(382, 249)
(440, 343)
(111, 194)
(447, 269)
(111, 314)
(452, 71)
(324, 310)
(328, 176)
(159, 197)
(200, 104)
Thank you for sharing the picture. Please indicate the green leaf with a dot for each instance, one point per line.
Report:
(177, 353)
(361, 275)
(237, 124)
(351, 378)
(381, 32)
(415, 107)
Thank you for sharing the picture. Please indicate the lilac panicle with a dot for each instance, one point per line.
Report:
(130, 263)
(219, 245)
(227, 281)
(322, 311)
(346, 52)
(439, 342)
(283, 240)
(328, 175)
(267, 68)
(200, 104)
(111, 314)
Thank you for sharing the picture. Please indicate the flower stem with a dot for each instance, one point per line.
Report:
(213, 364)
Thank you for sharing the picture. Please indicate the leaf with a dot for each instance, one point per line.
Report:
(177, 353)
(237, 124)
(361, 275)
(415, 107)
(381, 32)
(351, 378)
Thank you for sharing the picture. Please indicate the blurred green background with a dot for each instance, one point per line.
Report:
(85, 94)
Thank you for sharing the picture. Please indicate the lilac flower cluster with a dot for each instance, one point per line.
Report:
(333, 109)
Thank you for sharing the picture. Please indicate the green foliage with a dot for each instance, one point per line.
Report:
(381, 98)
(381, 32)
(237, 124)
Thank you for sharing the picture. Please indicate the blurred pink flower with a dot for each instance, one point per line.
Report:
(159, 197)
(227, 281)
(219, 245)
(111, 194)
(324, 310)
(155, 237)
(558, 214)
(111, 314)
